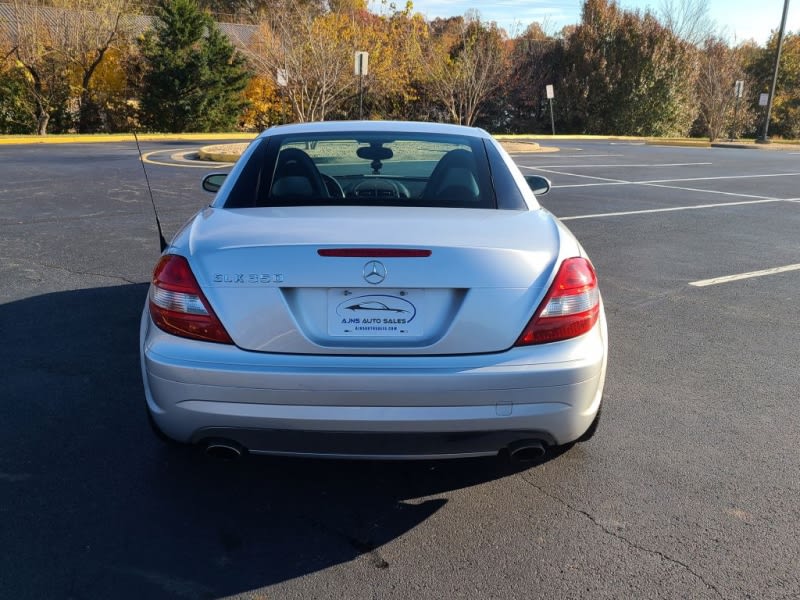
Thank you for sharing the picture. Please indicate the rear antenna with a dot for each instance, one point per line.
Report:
(161, 239)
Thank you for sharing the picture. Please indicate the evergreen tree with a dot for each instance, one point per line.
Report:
(194, 77)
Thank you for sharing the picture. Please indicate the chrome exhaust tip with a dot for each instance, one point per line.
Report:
(526, 451)
(224, 450)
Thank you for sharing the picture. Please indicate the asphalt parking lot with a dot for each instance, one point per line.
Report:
(691, 488)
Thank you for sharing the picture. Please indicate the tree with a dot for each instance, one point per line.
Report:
(465, 69)
(719, 69)
(264, 106)
(37, 35)
(395, 62)
(16, 114)
(95, 27)
(785, 119)
(315, 53)
(256, 11)
(194, 78)
(625, 74)
(688, 20)
(533, 59)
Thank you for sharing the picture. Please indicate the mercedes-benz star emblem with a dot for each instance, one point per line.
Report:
(374, 272)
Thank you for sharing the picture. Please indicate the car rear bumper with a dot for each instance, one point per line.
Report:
(373, 406)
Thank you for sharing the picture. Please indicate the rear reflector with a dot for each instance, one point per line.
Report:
(374, 252)
(178, 306)
(570, 308)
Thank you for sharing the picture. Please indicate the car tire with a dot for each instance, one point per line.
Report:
(589, 433)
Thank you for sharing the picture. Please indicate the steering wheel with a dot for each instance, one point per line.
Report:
(377, 188)
(334, 188)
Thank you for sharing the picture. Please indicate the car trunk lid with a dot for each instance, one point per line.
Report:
(373, 280)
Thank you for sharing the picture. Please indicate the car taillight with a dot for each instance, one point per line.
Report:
(178, 306)
(570, 308)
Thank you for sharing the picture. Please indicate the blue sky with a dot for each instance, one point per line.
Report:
(739, 19)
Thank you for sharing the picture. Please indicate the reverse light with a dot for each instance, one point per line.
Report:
(570, 308)
(178, 306)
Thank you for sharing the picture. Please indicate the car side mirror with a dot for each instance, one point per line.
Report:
(539, 185)
(212, 183)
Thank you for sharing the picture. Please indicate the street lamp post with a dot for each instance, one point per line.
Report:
(764, 139)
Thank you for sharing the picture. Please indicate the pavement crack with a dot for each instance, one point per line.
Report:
(364, 547)
(76, 272)
(622, 538)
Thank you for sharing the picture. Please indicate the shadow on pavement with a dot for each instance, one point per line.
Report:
(94, 506)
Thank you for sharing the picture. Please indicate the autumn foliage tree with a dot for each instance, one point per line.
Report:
(95, 28)
(396, 62)
(314, 57)
(316, 53)
(719, 67)
(533, 63)
(785, 120)
(466, 63)
(624, 73)
(37, 48)
(58, 47)
(76, 65)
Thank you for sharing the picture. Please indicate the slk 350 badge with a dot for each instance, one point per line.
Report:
(248, 278)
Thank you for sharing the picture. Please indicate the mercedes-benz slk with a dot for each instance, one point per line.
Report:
(376, 290)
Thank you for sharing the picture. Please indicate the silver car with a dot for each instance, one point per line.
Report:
(374, 290)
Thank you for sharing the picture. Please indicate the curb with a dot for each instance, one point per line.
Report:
(20, 140)
(774, 146)
(221, 153)
(681, 143)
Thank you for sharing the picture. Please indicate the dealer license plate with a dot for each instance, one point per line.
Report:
(376, 313)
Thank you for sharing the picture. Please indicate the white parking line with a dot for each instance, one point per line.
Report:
(750, 275)
(719, 192)
(724, 177)
(553, 172)
(577, 156)
(650, 181)
(693, 164)
(659, 183)
(670, 209)
(580, 185)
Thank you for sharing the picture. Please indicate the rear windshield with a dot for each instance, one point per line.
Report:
(370, 169)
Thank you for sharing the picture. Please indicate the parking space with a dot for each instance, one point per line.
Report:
(630, 182)
(702, 210)
(690, 489)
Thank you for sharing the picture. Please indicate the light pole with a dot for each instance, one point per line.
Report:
(764, 139)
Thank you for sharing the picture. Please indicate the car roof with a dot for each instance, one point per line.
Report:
(376, 126)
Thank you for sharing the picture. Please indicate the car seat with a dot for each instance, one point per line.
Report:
(296, 175)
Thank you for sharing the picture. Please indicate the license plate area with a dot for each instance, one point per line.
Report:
(384, 313)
